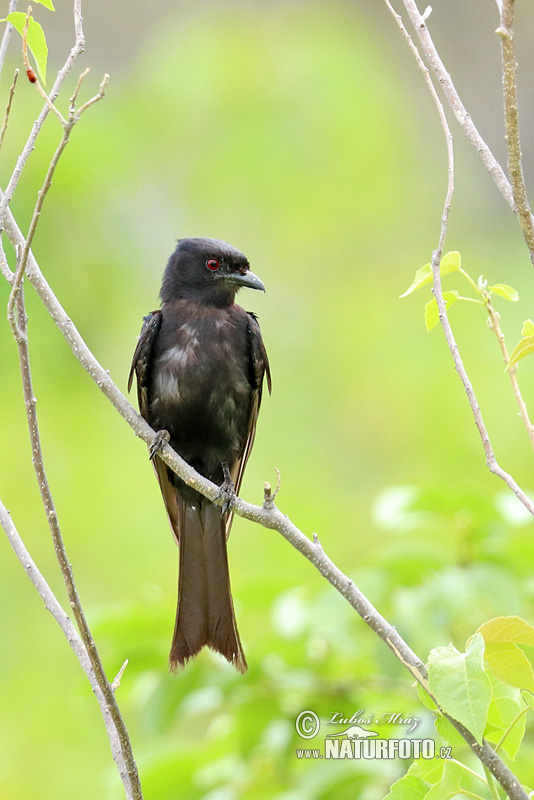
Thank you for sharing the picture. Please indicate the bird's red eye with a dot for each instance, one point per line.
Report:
(213, 264)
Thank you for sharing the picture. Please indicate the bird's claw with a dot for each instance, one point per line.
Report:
(226, 490)
(158, 443)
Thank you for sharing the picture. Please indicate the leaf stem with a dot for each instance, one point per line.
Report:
(494, 318)
(510, 726)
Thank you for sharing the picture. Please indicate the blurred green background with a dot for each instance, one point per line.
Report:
(302, 133)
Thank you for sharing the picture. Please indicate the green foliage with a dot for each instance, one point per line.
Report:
(503, 290)
(523, 348)
(452, 262)
(35, 37)
(481, 687)
(460, 685)
(431, 780)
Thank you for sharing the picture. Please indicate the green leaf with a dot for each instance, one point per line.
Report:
(46, 3)
(510, 664)
(528, 328)
(409, 787)
(432, 311)
(507, 629)
(425, 698)
(505, 705)
(524, 348)
(528, 698)
(449, 785)
(429, 770)
(449, 263)
(35, 38)
(460, 685)
(447, 731)
(508, 292)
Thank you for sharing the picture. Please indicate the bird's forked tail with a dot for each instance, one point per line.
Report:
(205, 613)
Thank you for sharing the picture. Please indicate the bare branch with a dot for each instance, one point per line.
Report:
(4, 266)
(20, 333)
(7, 35)
(23, 260)
(95, 99)
(505, 777)
(491, 461)
(494, 323)
(17, 319)
(8, 107)
(455, 103)
(77, 49)
(53, 605)
(511, 120)
(118, 677)
(73, 99)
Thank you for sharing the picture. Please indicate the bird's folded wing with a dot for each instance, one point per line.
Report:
(141, 366)
(259, 368)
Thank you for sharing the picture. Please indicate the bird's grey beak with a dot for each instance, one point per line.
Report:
(248, 279)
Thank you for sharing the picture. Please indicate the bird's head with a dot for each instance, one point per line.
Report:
(207, 271)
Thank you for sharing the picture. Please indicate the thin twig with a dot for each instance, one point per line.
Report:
(22, 261)
(464, 118)
(17, 319)
(29, 71)
(5, 269)
(21, 266)
(511, 120)
(132, 786)
(491, 461)
(118, 677)
(494, 324)
(7, 35)
(77, 49)
(507, 780)
(53, 605)
(8, 107)
(73, 99)
(95, 99)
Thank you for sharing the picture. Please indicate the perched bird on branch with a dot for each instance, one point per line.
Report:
(200, 364)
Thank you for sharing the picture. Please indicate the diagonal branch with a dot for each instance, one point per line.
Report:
(453, 98)
(65, 623)
(8, 107)
(491, 460)
(77, 49)
(7, 35)
(504, 776)
(133, 786)
(511, 121)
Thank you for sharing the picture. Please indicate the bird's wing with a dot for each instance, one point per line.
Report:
(141, 366)
(259, 368)
(141, 361)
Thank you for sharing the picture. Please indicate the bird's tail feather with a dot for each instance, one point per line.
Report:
(205, 613)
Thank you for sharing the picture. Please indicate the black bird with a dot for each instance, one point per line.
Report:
(200, 364)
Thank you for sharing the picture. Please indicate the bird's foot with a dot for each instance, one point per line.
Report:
(158, 443)
(226, 490)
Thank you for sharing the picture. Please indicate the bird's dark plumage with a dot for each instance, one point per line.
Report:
(200, 364)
